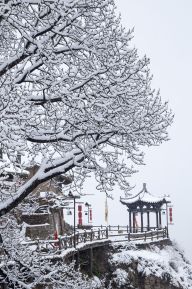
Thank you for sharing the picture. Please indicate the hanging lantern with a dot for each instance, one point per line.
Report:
(80, 222)
(90, 215)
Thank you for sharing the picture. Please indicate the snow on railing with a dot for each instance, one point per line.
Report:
(111, 233)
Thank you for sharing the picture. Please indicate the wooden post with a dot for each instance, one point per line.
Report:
(167, 228)
(130, 229)
(60, 243)
(157, 220)
(38, 244)
(77, 260)
(141, 221)
(160, 223)
(148, 222)
(99, 234)
(74, 223)
(91, 261)
(133, 222)
(85, 236)
(107, 233)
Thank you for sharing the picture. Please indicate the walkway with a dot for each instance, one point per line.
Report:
(98, 234)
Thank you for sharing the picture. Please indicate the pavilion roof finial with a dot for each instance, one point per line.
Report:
(145, 187)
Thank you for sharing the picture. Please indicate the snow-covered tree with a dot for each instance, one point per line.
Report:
(74, 95)
(74, 98)
(24, 267)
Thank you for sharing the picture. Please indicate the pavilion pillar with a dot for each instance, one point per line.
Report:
(141, 221)
(130, 229)
(157, 219)
(133, 222)
(148, 222)
(160, 222)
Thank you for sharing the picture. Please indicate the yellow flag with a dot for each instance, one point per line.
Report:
(106, 211)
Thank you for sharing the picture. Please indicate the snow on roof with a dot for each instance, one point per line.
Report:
(145, 197)
(15, 170)
(9, 168)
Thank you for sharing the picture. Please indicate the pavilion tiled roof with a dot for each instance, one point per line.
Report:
(145, 197)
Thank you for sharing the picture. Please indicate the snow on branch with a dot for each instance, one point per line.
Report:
(74, 93)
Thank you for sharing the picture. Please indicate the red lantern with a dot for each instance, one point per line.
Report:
(170, 215)
(80, 221)
(55, 235)
(56, 238)
(90, 215)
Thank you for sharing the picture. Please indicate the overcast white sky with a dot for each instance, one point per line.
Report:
(163, 33)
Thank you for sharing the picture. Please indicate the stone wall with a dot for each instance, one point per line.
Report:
(44, 225)
(39, 231)
(40, 226)
(36, 219)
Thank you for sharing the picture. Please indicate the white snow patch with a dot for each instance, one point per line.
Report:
(121, 277)
(158, 262)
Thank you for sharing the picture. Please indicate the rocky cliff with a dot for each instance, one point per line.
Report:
(142, 266)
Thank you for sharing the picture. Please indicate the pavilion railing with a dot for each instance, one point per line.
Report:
(96, 234)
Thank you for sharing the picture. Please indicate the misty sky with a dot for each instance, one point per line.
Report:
(163, 33)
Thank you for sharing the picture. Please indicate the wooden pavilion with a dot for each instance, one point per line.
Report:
(145, 203)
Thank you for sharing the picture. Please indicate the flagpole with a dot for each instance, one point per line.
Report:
(106, 211)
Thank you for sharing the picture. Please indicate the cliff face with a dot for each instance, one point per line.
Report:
(157, 266)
